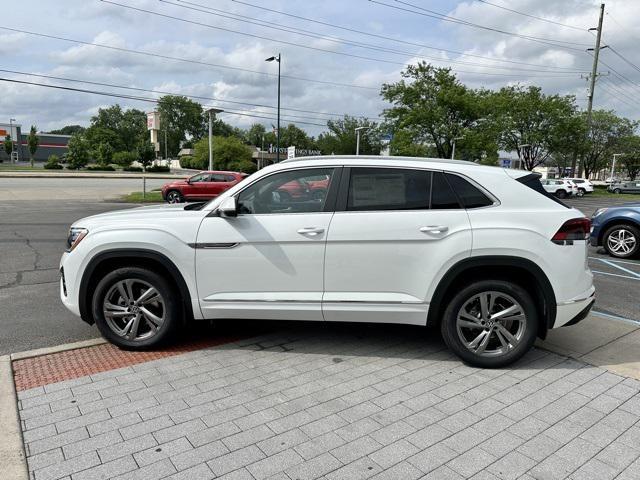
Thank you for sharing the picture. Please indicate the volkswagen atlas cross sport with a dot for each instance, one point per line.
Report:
(483, 252)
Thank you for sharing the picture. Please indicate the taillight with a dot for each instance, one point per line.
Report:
(574, 229)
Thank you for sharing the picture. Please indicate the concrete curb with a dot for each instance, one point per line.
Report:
(13, 463)
(58, 348)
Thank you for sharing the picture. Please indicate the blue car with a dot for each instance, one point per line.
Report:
(617, 229)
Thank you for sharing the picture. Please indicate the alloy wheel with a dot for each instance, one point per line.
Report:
(621, 241)
(134, 309)
(491, 324)
(173, 197)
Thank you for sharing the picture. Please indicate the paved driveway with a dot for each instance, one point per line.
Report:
(336, 402)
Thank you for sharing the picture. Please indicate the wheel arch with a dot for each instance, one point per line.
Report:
(109, 260)
(520, 270)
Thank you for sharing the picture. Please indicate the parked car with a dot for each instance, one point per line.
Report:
(625, 187)
(584, 185)
(482, 252)
(560, 187)
(202, 186)
(617, 229)
(312, 188)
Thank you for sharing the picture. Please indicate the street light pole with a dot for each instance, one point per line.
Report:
(358, 130)
(211, 112)
(277, 59)
(613, 165)
(453, 149)
(11, 120)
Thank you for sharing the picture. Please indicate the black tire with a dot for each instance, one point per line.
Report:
(174, 196)
(143, 278)
(633, 243)
(451, 336)
(561, 194)
(581, 192)
(617, 191)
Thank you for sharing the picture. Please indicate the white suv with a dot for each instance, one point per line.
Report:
(481, 251)
(560, 187)
(584, 185)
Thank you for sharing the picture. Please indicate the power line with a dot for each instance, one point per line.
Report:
(542, 19)
(140, 99)
(185, 60)
(288, 28)
(383, 37)
(614, 94)
(624, 59)
(443, 17)
(621, 91)
(197, 97)
(284, 42)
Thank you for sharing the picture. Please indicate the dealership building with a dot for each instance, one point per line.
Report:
(49, 144)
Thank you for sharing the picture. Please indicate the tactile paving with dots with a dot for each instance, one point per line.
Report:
(56, 367)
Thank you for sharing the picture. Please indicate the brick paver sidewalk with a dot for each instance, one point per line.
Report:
(335, 402)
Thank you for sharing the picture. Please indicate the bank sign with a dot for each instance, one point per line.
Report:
(298, 152)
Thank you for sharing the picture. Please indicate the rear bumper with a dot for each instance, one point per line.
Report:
(573, 311)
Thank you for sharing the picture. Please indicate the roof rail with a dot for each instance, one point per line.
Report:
(377, 157)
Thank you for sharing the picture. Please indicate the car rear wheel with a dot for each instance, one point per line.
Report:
(622, 241)
(561, 194)
(135, 308)
(581, 192)
(617, 191)
(174, 196)
(490, 323)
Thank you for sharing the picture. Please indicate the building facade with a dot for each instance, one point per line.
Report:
(50, 144)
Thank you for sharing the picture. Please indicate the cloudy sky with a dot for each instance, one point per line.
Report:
(335, 53)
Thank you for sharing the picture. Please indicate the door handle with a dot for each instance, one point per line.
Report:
(436, 229)
(311, 231)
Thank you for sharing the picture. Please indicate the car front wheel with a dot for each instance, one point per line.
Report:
(174, 196)
(617, 191)
(490, 323)
(622, 241)
(135, 308)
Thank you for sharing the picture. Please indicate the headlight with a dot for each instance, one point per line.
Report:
(75, 237)
(599, 212)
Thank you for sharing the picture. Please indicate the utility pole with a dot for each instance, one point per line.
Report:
(212, 113)
(279, 60)
(594, 74)
(358, 130)
(453, 148)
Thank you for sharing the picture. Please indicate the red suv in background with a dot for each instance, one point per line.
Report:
(202, 186)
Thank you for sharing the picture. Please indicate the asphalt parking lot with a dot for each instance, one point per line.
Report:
(33, 233)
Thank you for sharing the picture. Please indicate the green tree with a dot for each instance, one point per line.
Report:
(527, 119)
(630, 159)
(341, 137)
(432, 108)
(568, 143)
(98, 135)
(32, 142)
(127, 126)
(146, 153)
(68, 130)
(255, 134)
(608, 132)
(294, 136)
(78, 153)
(226, 151)
(180, 117)
(104, 154)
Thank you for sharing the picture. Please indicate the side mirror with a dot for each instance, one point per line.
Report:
(229, 207)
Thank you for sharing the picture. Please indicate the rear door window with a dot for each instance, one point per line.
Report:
(388, 189)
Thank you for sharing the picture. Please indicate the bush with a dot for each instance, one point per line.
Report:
(194, 163)
(101, 168)
(158, 169)
(132, 169)
(244, 166)
(124, 159)
(226, 150)
(53, 163)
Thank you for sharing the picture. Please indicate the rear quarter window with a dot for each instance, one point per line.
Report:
(470, 196)
(533, 182)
